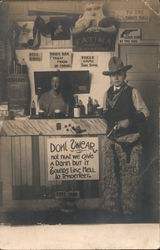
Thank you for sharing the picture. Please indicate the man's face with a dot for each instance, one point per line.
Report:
(117, 79)
(55, 83)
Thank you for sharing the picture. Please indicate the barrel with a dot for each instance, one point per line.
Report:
(18, 92)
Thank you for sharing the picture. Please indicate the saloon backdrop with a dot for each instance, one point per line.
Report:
(57, 162)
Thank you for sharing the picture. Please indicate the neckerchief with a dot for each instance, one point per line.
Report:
(113, 96)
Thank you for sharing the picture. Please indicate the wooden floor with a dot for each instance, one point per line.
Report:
(51, 217)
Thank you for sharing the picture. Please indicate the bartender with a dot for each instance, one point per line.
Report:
(55, 100)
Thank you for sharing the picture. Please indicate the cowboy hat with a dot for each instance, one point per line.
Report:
(116, 65)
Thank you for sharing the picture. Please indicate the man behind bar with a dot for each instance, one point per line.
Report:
(125, 113)
(57, 98)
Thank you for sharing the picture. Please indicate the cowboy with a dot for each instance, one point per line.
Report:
(125, 112)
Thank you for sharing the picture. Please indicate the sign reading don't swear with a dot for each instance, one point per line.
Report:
(73, 158)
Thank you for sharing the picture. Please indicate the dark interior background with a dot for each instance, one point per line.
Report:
(76, 82)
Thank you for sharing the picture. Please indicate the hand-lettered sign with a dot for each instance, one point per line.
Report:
(73, 158)
(61, 59)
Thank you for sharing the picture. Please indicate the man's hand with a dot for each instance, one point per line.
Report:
(122, 124)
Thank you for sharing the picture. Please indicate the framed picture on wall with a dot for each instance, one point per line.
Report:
(60, 28)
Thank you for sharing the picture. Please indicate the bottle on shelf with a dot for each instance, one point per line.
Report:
(95, 106)
(33, 108)
(82, 108)
(18, 68)
(90, 106)
(13, 67)
(24, 69)
(76, 109)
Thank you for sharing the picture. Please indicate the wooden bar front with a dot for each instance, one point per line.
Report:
(24, 164)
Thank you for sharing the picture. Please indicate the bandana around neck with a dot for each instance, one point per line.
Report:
(113, 96)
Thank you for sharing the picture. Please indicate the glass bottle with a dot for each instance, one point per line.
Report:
(33, 108)
(95, 106)
(24, 69)
(76, 109)
(90, 106)
(82, 108)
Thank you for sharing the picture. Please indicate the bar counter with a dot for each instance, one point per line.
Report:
(20, 127)
(24, 164)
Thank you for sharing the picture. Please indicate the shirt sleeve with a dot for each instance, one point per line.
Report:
(139, 103)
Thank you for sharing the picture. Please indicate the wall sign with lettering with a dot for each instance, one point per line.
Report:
(89, 61)
(35, 56)
(94, 41)
(136, 15)
(129, 36)
(73, 158)
(61, 59)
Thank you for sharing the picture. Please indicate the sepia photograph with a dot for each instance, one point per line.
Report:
(79, 113)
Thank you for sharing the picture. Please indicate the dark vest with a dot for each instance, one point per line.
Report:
(123, 109)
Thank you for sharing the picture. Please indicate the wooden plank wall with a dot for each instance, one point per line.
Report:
(5, 169)
(21, 160)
